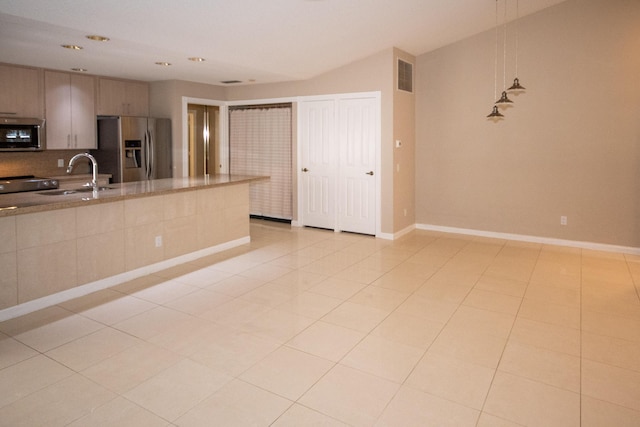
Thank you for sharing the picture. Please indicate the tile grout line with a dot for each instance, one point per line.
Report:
(509, 335)
(438, 334)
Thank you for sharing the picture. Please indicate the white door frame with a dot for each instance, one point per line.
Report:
(222, 132)
(378, 149)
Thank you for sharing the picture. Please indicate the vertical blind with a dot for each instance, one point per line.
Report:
(260, 144)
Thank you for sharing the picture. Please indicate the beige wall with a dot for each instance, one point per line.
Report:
(403, 172)
(571, 145)
(165, 99)
(374, 73)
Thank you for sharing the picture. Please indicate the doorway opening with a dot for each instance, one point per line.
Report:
(203, 123)
(260, 143)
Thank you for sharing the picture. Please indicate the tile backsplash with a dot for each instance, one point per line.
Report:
(40, 163)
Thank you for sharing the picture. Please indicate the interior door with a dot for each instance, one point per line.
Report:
(202, 133)
(338, 146)
(357, 136)
(319, 167)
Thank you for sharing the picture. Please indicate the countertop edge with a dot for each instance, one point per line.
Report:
(33, 202)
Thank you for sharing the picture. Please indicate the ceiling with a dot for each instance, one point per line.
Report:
(259, 41)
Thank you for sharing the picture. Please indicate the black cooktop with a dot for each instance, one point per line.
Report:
(18, 184)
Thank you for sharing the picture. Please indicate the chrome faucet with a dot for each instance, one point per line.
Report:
(94, 165)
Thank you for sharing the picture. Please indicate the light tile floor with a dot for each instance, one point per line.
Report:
(309, 327)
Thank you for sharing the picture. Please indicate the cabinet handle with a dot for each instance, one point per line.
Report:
(369, 173)
(69, 140)
(305, 170)
(75, 142)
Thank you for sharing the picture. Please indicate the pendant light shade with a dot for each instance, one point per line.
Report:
(495, 115)
(504, 101)
(516, 88)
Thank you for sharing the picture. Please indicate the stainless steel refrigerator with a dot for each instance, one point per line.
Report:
(134, 148)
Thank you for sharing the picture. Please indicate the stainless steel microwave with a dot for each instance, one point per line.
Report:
(21, 134)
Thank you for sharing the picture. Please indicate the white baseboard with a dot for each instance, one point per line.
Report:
(532, 239)
(78, 291)
(397, 235)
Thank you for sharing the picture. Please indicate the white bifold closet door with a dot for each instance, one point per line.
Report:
(338, 140)
(260, 144)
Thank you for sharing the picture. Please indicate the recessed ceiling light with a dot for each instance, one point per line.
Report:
(98, 38)
(80, 70)
(163, 64)
(196, 59)
(71, 46)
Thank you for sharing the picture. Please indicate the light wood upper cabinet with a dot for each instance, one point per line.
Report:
(21, 93)
(70, 111)
(123, 98)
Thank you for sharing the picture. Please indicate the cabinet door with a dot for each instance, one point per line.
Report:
(111, 94)
(137, 99)
(21, 92)
(123, 98)
(83, 112)
(58, 110)
(70, 111)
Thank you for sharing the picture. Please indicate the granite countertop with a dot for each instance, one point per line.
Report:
(39, 201)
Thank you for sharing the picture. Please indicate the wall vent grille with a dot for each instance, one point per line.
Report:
(405, 76)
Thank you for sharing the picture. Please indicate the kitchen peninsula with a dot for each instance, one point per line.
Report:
(58, 246)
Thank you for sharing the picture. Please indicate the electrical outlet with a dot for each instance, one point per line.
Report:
(563, 220)
(397, 167)
(158, 241)
(405, 212)
(60, 163)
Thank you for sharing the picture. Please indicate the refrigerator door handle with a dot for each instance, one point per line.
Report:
(150, 155)
(145, 156)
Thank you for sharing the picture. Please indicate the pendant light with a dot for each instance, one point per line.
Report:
(516, 88)
(495, 115)
(504, 101)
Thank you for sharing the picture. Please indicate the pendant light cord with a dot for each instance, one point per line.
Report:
(495, 67)
(504, 49)
(517, 34)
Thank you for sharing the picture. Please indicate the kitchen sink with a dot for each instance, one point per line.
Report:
(74, 191)
(57, 192)
(87, 189)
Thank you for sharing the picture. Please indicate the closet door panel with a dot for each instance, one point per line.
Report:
(357, 119)
(319, 166)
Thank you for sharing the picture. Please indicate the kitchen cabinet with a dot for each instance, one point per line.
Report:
(114, 251)
(21, 93)
(70, 111)
(123, 98)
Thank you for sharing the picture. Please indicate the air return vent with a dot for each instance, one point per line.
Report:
(405, 76)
